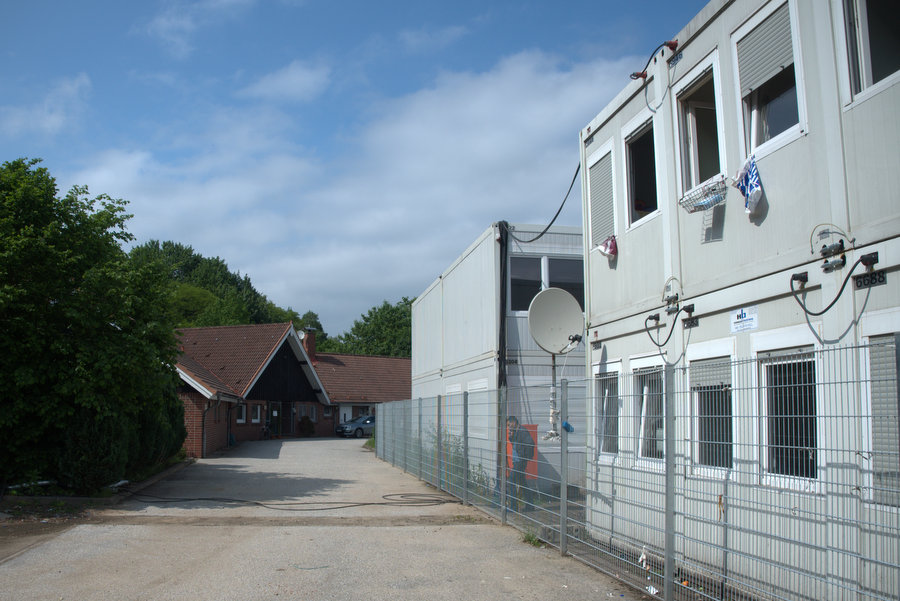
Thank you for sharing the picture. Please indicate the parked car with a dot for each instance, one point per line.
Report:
(364, 425)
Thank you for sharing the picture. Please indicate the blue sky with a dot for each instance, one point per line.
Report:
(338, 153)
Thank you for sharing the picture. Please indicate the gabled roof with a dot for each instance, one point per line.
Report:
(230, 359)
(364, 378)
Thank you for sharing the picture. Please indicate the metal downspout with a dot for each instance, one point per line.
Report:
(503, 241)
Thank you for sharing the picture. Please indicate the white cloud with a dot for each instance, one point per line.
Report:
(423, 179)
(177, 23)
(439, 166)
(299, 81)
(59, 110)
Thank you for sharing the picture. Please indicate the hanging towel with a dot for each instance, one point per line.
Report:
(608, 248)
(747, 181)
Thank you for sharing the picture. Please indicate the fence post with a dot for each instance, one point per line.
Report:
(465, 457)
(407, 408)
(563, 469)
(669, 417)
(419, 437)
(439, 449)
(501, 438)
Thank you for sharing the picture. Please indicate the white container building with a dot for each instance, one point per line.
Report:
(787, 450)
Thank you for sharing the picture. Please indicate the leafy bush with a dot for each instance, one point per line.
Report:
(95, 451)
(307, 427)
(87, 345)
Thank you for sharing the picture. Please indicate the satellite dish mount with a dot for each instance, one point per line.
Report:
(556, 324)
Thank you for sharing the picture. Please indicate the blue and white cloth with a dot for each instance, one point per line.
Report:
(747, 181)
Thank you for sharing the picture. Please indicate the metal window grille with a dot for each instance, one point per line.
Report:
(711, 385)
(789, 393)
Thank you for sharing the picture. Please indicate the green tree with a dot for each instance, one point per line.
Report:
(207, 292)
(87, 349)
(386, 330)
(310, 321)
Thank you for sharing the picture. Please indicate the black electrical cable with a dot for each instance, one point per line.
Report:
(503, 240)
(539, 236)
(396, 499)
(794, 292)
(671, 330)
(643, 73)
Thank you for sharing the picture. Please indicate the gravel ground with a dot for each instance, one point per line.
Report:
(318, 519)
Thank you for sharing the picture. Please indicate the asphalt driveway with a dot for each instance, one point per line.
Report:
(318, 519)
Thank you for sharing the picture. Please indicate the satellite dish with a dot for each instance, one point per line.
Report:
(555, 318)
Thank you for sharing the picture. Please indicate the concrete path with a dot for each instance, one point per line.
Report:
(318, 519)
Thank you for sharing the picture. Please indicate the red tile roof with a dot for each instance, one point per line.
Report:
(364, 378)
(230, 358)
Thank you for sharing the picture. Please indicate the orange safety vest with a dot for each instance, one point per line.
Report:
(531, 467)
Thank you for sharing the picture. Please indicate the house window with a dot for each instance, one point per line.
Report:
(648, 386)
(699, 133)
(872, 40)
(885, 428)
(524, 280)
(789, 395)
(256, 414)
(711, 388)
(607, 386)
(528, 274)
(768, 84)
(602, 202)
(240, 414)
(641, 163)
(307, 411)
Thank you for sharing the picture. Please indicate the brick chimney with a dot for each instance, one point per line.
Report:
(309, 344)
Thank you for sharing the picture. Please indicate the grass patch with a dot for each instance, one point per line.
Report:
(532, 539)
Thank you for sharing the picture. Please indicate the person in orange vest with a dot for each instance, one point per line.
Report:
(520, 451)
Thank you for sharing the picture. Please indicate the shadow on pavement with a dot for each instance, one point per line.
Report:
(229, 484)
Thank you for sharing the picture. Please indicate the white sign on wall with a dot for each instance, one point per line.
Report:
(744, 319)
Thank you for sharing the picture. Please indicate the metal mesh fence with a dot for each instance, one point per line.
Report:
(771, 478)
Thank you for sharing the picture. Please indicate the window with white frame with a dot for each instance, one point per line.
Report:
(873, 43)
(711, 389)
(788, 398)
(307, 411)
(602, 201)
(607, 395)
(767, 78)
(640, 160)
(885, 427)
(648, 406)
(524, 281)
(528, 274)
(699, 129)
(240, 414)
(567, 274)
(256, 414)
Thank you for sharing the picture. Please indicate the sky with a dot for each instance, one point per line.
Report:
(340, 154)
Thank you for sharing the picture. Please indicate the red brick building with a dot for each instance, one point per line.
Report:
(357, 384)
(246, 383)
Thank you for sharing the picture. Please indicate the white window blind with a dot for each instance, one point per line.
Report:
(885, 428)
(602, 208)
(765, 51)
